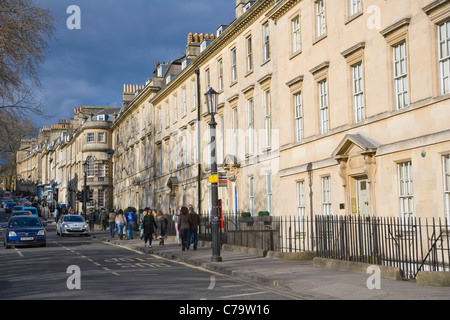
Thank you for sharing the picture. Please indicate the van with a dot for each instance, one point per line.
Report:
(33, 210)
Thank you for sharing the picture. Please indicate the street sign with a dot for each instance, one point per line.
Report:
(223, 180)
(214, 178)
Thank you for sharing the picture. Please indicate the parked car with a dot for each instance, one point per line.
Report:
(9, 206)
(24, 231)
(21, 213)
(73, 225)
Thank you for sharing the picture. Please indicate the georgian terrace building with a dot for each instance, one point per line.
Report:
(57, 155)
(325, 107)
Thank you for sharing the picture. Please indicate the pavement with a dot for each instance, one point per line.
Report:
(300, 279)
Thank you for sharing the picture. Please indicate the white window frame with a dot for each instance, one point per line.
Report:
(266, 41)
(298, 114)
(323, 107)
(220, 73)
(220, 138)
(235, 128)
(250, 126)
(160, 119)
(269, 192)
(233, 65)
(405, 189)
(90, 137)
(399, 57)
(296, 37)
(251, 195)
(301, 204)
(90, 167)
(208, 79)
(101, 198)
(446, 177)
(267, 119)
(101, 170)
(194, 94)
(175, 108)
(167, 114)
(184, 102)
(358, 92)
(248, 45)
(321, 26)
(354, 7)
(101, 137)
(326, 195)
(444, 56)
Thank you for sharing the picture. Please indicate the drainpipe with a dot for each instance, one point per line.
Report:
(199, 166)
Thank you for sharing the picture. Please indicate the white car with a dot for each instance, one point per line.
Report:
(72, 225)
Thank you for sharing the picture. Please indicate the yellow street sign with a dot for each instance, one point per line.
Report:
(214, 178)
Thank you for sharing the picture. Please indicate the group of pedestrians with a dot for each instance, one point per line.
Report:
(154, 225)
(186, 225)
(122, 223)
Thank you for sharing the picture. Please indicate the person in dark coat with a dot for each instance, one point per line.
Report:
(149, 226)
(184, 225)
(161, 231)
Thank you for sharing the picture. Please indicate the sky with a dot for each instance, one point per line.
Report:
(118, 42)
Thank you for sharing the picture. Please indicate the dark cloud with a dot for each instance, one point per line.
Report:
(119, 42)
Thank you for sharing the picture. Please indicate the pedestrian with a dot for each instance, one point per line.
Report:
(112, 223)
(161, 224)
(184, 224)
(193, 232)
(177, 234)
(121, 222)
(91, 219)
(103, 219)
(131, 218)
(149, 226)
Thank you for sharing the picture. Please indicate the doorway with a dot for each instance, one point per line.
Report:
(363, 196)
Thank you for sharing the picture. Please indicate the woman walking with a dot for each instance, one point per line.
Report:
(112, 223)
(184, 225)
(121, 222)
(149, 226)
(161, 224)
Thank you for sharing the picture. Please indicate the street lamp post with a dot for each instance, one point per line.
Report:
(211, 101)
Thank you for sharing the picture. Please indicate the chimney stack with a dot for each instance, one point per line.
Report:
(240, 8)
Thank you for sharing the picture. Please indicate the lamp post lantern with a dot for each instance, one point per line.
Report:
(211, 101)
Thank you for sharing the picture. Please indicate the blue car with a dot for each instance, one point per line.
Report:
(24, 231)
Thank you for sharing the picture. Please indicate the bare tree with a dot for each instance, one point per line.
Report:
(24, 32)
(13, 128)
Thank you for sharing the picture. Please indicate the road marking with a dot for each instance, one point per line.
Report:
(118, 245)
(188, 265)
(18, 251)
(213, 283)
(243, 295)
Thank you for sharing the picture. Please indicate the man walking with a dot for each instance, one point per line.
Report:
(131, 217)
(193, 231)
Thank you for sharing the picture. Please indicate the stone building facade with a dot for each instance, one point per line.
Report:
(325, 107)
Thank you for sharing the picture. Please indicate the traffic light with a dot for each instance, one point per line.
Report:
(80, 196)
(55, 195)
(89, 194)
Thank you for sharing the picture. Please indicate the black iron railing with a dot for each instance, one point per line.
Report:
(410, 244)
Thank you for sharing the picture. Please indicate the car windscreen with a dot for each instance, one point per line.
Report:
(73, 219)
(24, 222)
